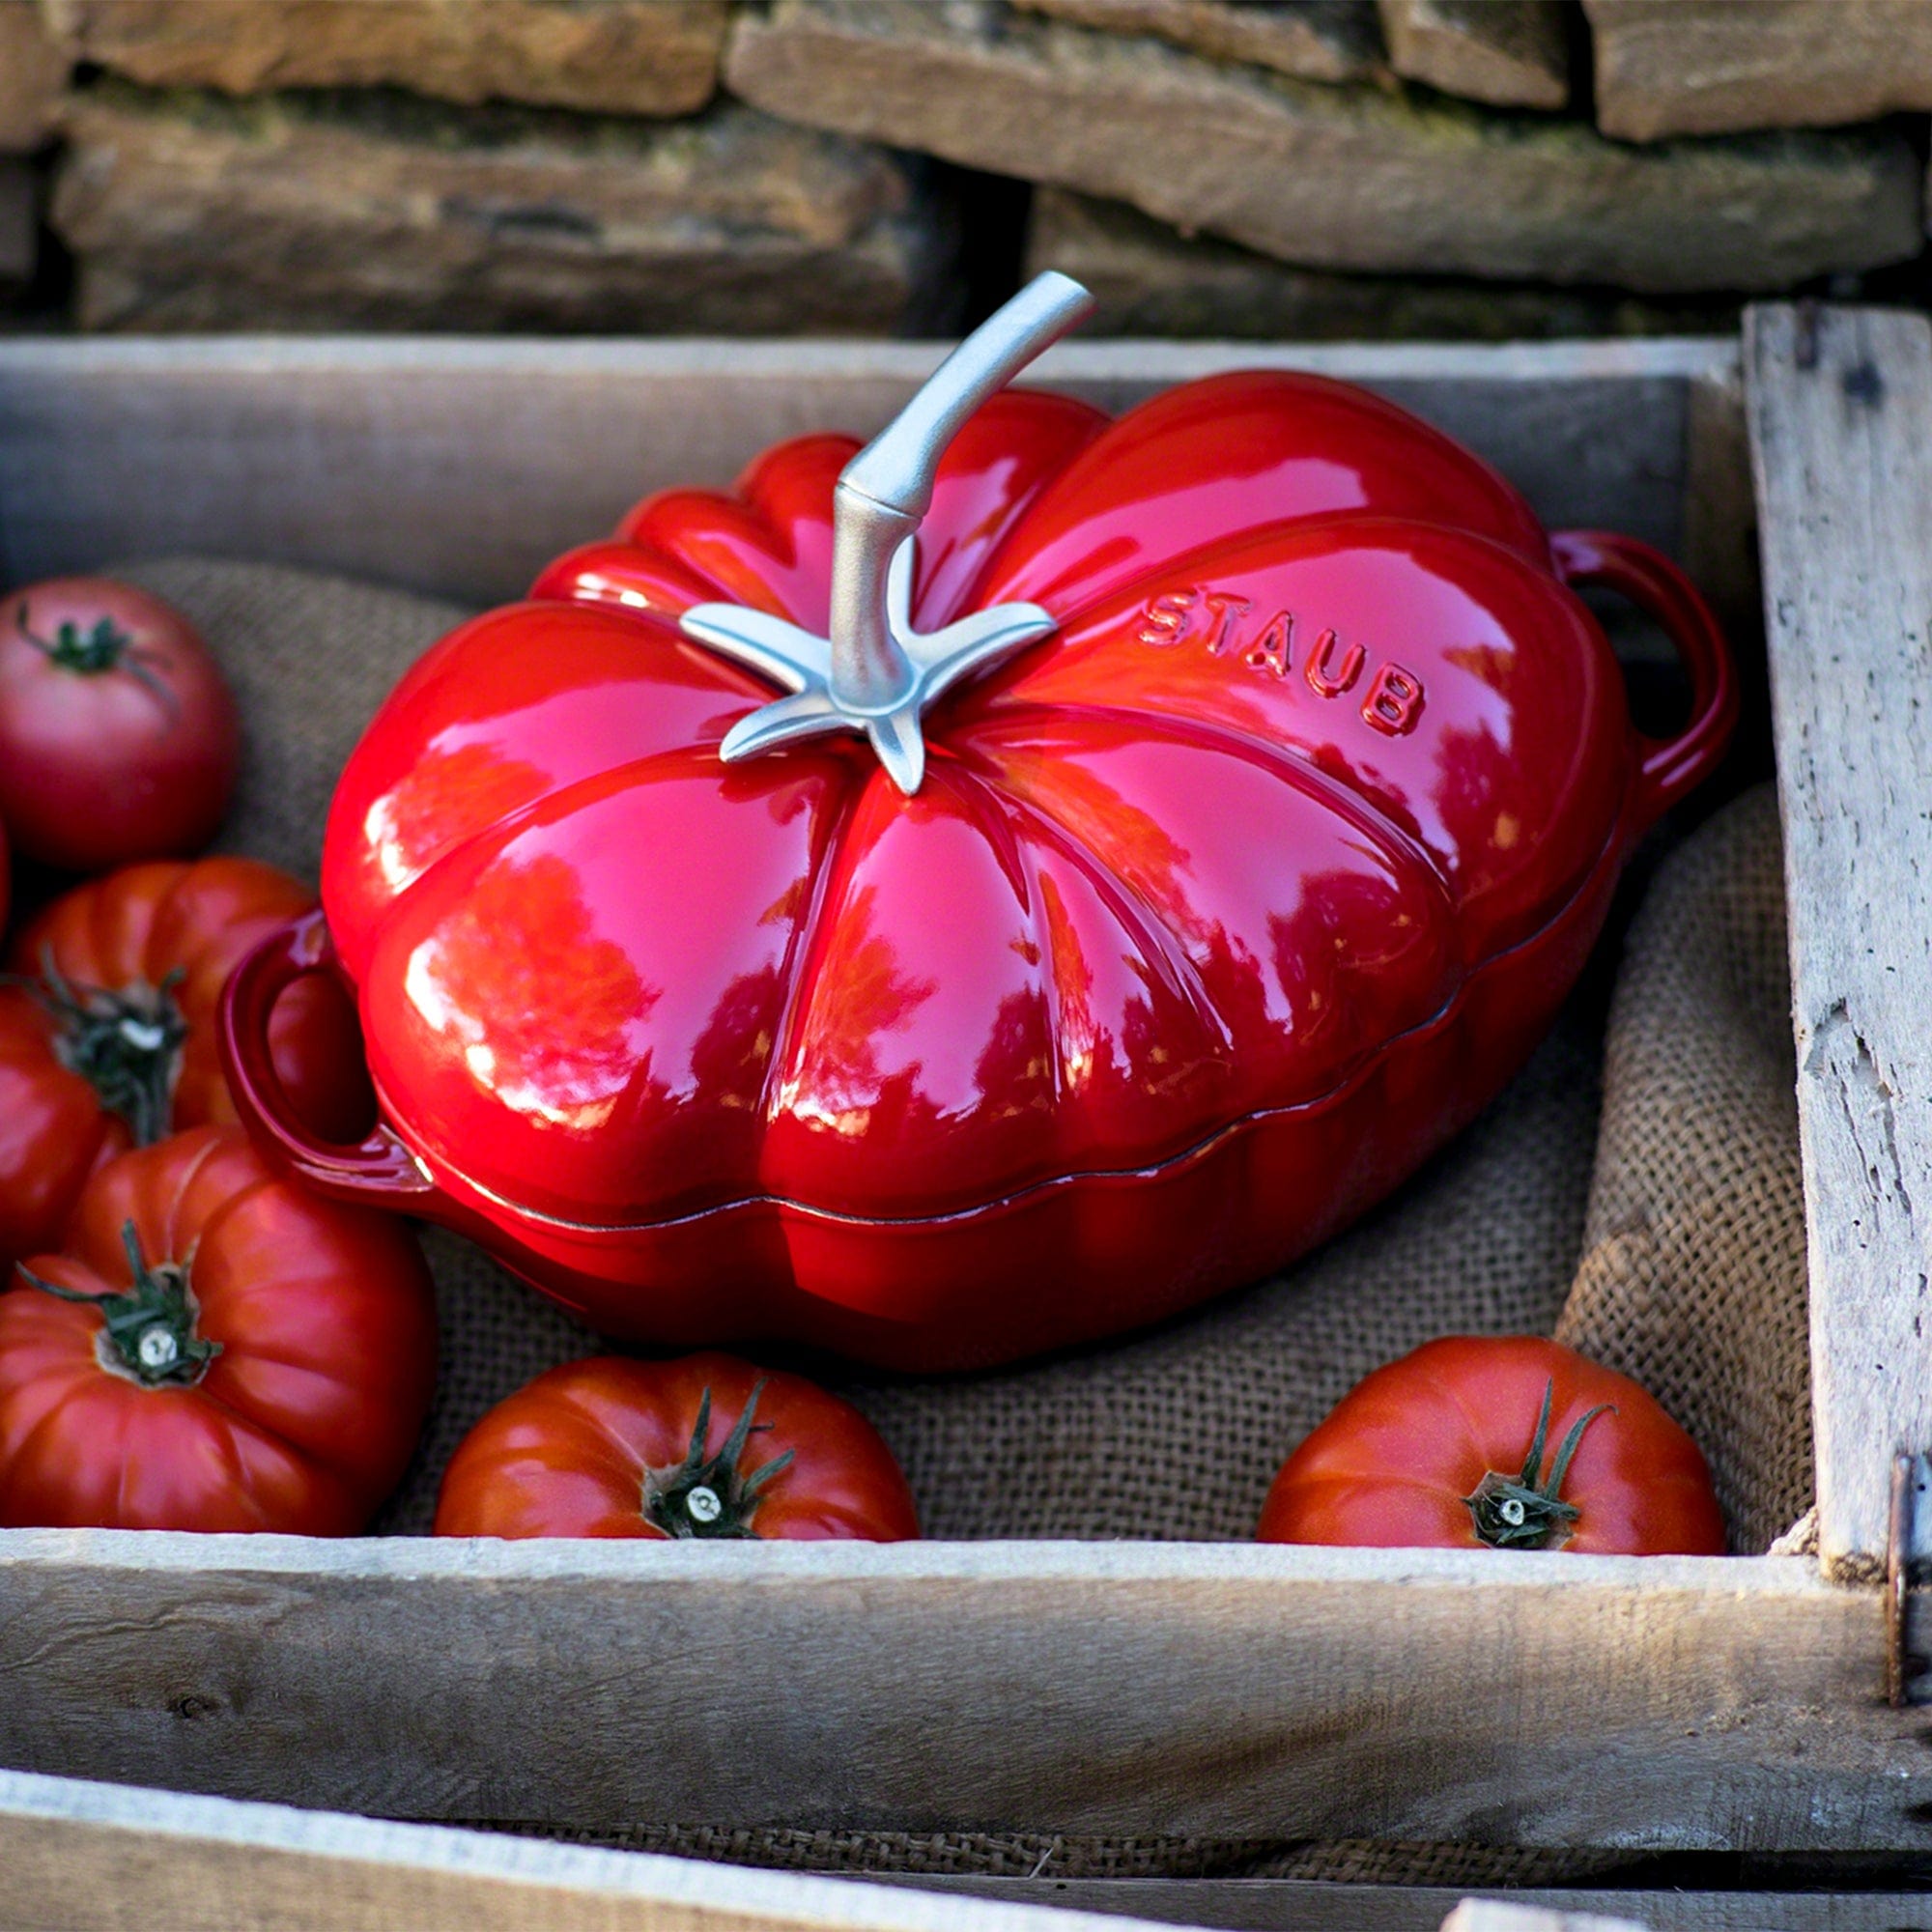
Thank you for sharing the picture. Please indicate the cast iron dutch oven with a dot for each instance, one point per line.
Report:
(987, 891)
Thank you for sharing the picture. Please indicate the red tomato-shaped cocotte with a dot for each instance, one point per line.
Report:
(213, 1349)
(1506, 1443)
(706, 1446)
(1214, 911)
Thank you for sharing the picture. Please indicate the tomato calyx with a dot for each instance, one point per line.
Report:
(91, 652)
(126, 1044)
(1522, 1512)
(148, 1328)
(710, 1496)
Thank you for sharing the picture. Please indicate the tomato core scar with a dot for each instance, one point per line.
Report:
(157, 1350)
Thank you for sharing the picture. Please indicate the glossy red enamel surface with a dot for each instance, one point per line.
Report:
(1307, 813)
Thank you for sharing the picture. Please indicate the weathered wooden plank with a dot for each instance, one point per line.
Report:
(1840, 404)
(1300, 1905)
(100, 1858)
(1719, 533)
(81, 1857)
(461, 467)
(1542, 1700)
(1497, 1915)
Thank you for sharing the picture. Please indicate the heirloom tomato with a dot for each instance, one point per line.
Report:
(706, 1446)
(213, 1349)
(107, 1029)
(992, 889)
(118, 737)
(1506, 1443)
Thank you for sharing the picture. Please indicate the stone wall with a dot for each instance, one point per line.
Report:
(1460, 168)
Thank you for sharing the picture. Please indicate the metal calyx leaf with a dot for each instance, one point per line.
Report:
(795, 657)
(873, 673)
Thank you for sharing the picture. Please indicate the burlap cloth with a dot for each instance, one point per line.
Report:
(1667, 1242)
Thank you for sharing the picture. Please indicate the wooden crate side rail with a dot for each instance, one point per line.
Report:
(85, 1857)
(82, 1856)
(462, 466)
(1212, 1690)
(1840, 410)
(1304, 1905)
(1497, 1915)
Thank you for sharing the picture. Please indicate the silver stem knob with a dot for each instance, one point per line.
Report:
(875, 674)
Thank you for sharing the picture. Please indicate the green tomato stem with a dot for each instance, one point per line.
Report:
(710, 1496)
(1522, 1512)
(91, 653)
(126, 1044)
(149, 1328)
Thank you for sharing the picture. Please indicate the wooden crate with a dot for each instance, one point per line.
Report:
(82, 1856)
(96, 1858)
(1220, 1690)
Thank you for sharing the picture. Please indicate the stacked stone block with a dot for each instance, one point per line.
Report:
(33, 67)
(1474, 168)
(495, 165)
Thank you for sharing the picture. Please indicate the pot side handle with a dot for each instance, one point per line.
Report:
(379, 1172)
(1667, 768)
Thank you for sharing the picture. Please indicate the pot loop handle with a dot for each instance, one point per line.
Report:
(379, 1172)
(1668, 767)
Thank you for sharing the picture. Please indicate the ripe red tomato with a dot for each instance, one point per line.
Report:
(107, 1033)
(1508, 1442)
(118, 737)
(216, 1350)
(610, 1447)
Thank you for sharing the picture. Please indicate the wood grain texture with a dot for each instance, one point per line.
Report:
(1497, 1915)
(1840, 406)
(81, 1857)
(1300, 1905)
(1219, 1690)
(99, 1858)
(1719, 533)
(461, 467)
